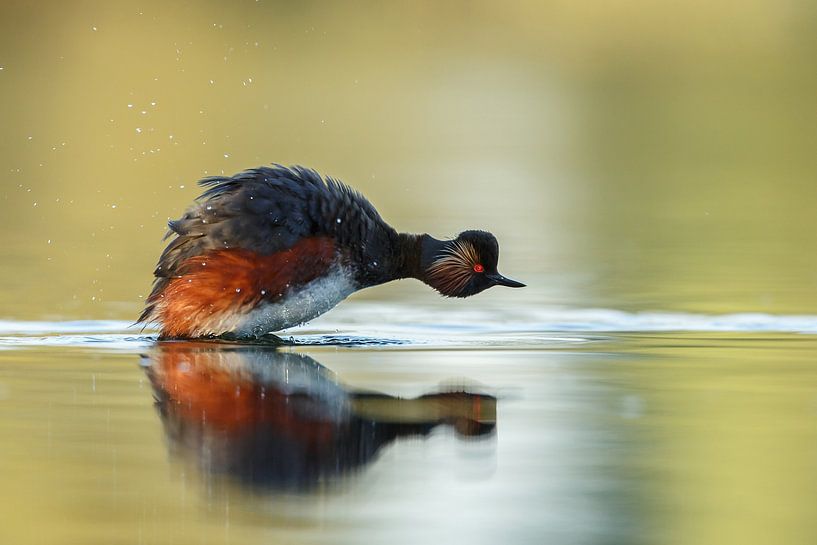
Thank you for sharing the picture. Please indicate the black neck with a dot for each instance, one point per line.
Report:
(416, 252)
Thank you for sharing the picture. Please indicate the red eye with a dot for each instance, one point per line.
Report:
(479, 268)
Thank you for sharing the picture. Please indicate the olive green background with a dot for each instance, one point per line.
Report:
(636, 155)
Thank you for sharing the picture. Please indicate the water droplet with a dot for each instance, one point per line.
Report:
(238, 290)
(338, 220)
(263, 292)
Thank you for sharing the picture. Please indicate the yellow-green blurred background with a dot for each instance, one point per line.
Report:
(630, 155)
(635, 155)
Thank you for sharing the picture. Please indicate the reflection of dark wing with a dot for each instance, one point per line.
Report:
(266, 210)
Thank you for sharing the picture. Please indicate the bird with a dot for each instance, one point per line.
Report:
(275, 246)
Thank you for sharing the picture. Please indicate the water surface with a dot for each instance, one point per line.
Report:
(641, 433)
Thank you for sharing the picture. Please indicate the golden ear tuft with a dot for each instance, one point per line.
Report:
(450, 273)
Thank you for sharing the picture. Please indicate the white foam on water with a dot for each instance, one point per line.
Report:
(379, 325)
(564, 320)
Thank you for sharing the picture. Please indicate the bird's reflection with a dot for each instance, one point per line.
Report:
(281, 420)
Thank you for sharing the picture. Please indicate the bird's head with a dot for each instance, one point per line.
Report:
(466, 265)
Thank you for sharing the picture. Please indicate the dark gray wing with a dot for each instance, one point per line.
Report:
(268, 210)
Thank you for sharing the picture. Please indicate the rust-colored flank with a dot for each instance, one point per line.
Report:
(223, 283)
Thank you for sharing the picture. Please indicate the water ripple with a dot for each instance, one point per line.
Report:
(353, 326)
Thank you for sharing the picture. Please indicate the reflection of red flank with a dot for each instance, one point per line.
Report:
(221, 284)
(203, 392)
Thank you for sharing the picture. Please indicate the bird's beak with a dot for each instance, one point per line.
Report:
(500, 280)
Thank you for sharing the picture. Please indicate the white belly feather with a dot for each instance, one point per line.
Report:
(308, 302)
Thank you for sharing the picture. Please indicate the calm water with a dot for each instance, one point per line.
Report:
(570, 430)
(647, 167)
